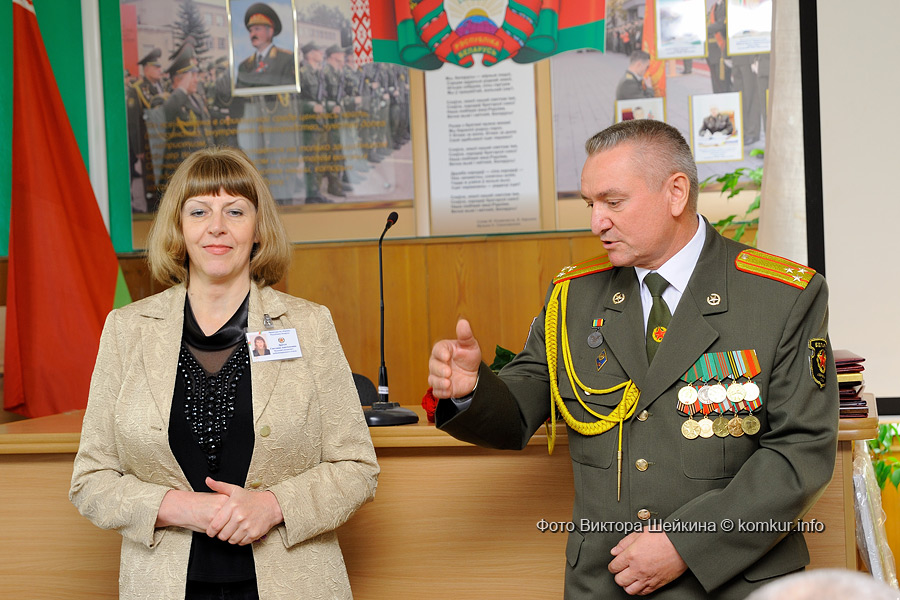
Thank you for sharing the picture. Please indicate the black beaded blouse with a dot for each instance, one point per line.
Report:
(211, 430)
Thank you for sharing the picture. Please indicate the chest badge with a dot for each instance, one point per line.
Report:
(601, 359)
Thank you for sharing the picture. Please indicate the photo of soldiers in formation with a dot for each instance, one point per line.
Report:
(343, 138)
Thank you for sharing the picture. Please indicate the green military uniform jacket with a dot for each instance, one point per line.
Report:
(276, 69)
(776, 474)
(187, 119)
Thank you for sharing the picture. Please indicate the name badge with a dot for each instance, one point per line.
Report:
(273, 344)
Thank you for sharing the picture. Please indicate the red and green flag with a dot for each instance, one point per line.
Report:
(63, 273)
(428, 33)
(657, 69)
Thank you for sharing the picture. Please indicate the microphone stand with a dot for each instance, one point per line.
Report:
(384, 412)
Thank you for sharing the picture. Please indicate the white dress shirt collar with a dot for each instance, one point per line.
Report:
(677, 271)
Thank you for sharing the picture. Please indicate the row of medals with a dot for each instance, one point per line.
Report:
(722, 426)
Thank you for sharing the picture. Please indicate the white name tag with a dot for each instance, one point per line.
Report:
(273, 344)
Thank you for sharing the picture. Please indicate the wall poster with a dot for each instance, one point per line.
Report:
(482, 150)
(717, 128)
(681, 28)
(749, 26)
(623, 77)
(219, 72)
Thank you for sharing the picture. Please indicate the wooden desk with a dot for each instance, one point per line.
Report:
(442, 506)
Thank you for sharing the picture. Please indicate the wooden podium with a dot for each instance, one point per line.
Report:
(442, 508)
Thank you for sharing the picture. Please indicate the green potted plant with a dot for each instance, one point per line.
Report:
(733, 183)
(887, 468)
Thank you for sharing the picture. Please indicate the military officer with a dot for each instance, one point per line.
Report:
(355, 89)
(186, 115)
(224, 109)
(335, 92)
(269, 65)
(312, 109)
(717, 48)
(143, 95)
(631, 86)
(695, 377)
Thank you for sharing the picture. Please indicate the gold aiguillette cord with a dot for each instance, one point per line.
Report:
(554, 321)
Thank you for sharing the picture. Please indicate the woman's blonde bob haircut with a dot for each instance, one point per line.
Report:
(209, 172)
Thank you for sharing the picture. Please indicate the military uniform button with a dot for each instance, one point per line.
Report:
(643, 514)
(255, 483)
(641, 464)
(643, 415)
(265, 431)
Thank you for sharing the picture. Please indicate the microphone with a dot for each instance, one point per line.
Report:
(391, 221)
(383, 411)
(382, 371)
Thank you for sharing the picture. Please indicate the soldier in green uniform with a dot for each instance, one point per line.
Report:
(186, 115)
(695, 377)
(269, 65)
(379, 110)
(333, 73)
(352, 105)
(224, 109)
(145, 94)
(312, 111)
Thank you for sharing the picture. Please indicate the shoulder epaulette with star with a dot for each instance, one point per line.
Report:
(585, 267)
(774, 267)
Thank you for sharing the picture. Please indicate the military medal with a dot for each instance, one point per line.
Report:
(736, 393)
(690, 429)
(720, 427)
(711, 396)
(750, 425)
(716, 393)
(752, 391)
(687, 394)
(595, 339)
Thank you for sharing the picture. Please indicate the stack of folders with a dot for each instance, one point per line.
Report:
(851, 384)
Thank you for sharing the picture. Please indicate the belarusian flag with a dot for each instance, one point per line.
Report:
(63, 273)
(420, 34)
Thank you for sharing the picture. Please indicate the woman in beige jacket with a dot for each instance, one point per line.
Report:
(222, 474)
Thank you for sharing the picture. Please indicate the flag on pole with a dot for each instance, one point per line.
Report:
(63, 273)
(657, 69)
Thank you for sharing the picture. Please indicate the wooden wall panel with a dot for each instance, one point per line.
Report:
(497, 283)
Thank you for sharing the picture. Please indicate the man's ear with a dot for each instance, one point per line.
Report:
(678, 191)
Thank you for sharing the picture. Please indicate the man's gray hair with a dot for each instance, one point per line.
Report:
(661, 150)
(825, 584)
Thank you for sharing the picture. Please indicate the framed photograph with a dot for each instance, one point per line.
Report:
(340, 140)
(262, 40)
(749, 26)
(680, 29)
(717, 127)
(645, 108)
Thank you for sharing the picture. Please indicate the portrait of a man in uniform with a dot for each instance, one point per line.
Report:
(269, 67)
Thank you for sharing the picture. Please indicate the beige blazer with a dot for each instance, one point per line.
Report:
(312, 448)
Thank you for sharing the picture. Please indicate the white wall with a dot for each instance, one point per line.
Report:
(859, 76)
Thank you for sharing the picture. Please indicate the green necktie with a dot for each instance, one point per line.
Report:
(659, 313)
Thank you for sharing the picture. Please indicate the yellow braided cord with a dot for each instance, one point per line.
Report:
(623, 411)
